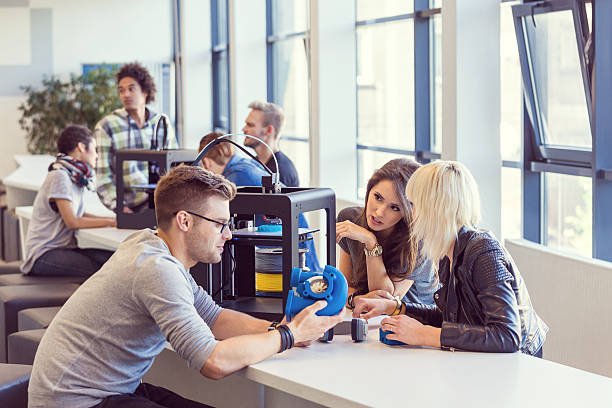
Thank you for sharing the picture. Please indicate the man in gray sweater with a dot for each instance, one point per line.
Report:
(106, 336)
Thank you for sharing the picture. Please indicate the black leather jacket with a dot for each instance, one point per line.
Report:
(483, 304)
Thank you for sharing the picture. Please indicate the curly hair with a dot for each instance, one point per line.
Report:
(142, 76)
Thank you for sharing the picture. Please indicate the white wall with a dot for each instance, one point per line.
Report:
(111, 31)
(108, 31)
(471, 97)
(197, 71)
(247, 53)
(572, 295)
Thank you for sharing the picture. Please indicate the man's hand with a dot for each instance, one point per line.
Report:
(366, 308)
(307, 326)
(355, 232)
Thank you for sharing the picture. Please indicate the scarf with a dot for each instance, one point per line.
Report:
(80, 172)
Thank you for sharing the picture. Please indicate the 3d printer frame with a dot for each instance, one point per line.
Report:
(287, 206)
(162, 161)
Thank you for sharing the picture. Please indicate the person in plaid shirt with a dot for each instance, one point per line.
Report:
(130, 127)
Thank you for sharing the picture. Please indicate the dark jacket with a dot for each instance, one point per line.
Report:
(483, 304)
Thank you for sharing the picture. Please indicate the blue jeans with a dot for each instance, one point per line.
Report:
(70, 262)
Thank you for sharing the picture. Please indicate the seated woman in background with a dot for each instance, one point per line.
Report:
(59, 210)
(378, 256)
(483, 304)
(243, 171)
(222, 159)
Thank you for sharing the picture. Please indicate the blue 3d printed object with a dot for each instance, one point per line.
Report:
(310, 287)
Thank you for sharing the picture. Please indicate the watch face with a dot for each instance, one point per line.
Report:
(376, 251)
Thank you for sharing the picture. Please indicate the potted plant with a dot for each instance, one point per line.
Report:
(81, 100)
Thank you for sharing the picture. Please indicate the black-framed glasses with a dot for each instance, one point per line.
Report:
(223, 225)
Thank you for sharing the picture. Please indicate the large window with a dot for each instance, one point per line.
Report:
(555, 52)
(289, 78)
(398, 83)
(220, 66)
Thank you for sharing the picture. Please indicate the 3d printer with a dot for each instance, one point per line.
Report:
(159, 160)
(235, 288)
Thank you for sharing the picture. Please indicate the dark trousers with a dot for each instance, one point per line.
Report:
(149, 396)
(70, 262)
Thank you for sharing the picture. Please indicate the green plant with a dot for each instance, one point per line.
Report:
(82, 100)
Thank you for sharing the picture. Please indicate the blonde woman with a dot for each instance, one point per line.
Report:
(483, 304)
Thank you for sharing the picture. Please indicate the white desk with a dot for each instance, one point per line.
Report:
(23, 183)
(371, 374)
(103, 238)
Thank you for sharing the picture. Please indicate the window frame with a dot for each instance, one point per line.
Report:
(272, 38)
(219, 52)
(424, 86)
(569, 160)
(596, 163)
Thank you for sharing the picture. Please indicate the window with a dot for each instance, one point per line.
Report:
(398, 83)
(556, 59)
(289, 78)
(569, 213)
(551, 43)
(220, 66)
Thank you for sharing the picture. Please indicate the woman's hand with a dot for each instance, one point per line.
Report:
(411, 331)
(367, 308)
(404, 328)
(376, 294)
(355, 232)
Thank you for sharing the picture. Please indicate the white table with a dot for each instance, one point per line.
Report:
(371, 374)
(103, 238)
(23, 183)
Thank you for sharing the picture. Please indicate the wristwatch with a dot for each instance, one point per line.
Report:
(376, 251)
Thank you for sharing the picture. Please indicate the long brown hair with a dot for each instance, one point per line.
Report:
(399, 248)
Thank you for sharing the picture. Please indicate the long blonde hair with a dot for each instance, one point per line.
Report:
(445, 198)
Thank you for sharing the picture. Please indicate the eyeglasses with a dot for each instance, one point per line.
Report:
(223, 225)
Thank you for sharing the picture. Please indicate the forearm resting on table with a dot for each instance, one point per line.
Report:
(377, 275)
(73, 222)
(232, 354)
(231, 323)
(430, 336)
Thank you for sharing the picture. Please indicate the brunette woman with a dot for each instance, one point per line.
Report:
(378, 255)
(59, 211)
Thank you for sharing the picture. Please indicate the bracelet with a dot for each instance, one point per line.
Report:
(273, 325)
(398, 308)
(287, 339)
(350, 301)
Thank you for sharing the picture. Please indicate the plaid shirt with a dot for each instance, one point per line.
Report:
(119, 131)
